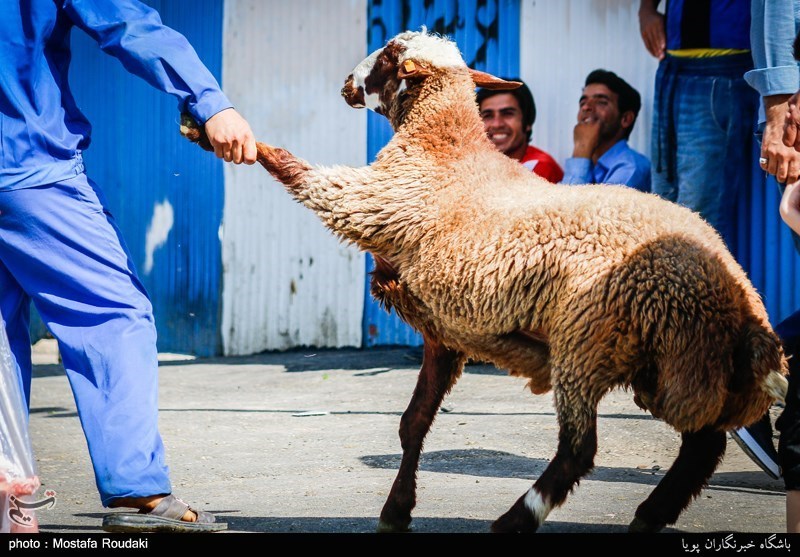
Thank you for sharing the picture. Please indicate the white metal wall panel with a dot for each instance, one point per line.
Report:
(560, 43)
(287, 281)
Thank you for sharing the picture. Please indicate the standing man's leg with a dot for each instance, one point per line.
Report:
(63, 249)
(788, 424)
(702, 136)
(60, 245)
(714, 151)
(756, 440)
(662, 136)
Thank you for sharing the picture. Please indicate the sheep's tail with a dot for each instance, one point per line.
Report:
(759, 355)
(776, 386)
(759, 373)
(284, 167)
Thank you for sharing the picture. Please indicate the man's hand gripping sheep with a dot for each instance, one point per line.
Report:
(578, 289)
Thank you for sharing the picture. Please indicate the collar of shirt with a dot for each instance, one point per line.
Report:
(607, 160)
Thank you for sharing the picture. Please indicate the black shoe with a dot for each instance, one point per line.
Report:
(756, 441)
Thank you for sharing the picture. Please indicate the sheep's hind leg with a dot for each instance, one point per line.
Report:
(700, 454)
(577, 445)
(440, 370)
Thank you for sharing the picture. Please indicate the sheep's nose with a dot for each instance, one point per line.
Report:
(354, 96)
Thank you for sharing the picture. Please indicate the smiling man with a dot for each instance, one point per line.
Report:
(508, 118)
(607, 111)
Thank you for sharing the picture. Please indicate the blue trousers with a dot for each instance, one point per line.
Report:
(60, 247)
(703, 135)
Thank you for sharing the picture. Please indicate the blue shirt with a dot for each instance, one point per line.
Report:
(775, 25)
(619, 165)
(723, 24)
(42, 131)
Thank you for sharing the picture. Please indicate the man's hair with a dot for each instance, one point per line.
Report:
(524, 98)
(629, 99)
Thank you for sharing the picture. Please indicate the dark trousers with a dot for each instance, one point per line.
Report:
(788, 424)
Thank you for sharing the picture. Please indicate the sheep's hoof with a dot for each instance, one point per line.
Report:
(387, 528)
(641, 526)
(501, 526)
(195, 133)
(517, 520)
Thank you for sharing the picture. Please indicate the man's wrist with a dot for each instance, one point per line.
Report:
(648, 7)
(775, 107)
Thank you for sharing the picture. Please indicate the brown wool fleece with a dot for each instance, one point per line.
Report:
(577, 288)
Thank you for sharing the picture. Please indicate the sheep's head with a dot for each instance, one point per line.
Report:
(381, 79)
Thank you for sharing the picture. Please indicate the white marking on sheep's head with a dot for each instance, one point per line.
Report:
(379, 80)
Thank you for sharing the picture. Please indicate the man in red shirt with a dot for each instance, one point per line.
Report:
(508, 118)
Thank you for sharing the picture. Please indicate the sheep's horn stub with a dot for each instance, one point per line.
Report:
(194, 132)
(488, 81)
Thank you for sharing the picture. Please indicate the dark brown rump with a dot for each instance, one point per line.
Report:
(758, 352)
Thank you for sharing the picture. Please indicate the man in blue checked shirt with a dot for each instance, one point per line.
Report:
(607, 111)
(60, 247)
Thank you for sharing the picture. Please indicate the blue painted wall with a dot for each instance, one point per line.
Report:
(487, 32)
(764, 244)
(139, 159)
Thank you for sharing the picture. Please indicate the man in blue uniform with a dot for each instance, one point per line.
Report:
(60, 247)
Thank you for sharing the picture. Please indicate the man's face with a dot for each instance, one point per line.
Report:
(600, 104)
(502, 120)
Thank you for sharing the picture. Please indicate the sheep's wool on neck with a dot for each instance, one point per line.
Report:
(421, 46)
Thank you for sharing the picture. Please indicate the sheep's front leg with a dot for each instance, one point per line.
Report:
(342, 197)
(699, 455)
(440, 370)
(284, 167)
(577, 445)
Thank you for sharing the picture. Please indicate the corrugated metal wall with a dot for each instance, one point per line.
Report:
(487, 32)
(288, 282)
(165, 193)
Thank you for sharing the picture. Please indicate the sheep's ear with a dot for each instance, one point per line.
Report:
(411, 69)
(488, 81)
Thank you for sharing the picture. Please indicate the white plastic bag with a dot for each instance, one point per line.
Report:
(18, 478)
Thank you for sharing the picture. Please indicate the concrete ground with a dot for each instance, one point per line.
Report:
(306, 442)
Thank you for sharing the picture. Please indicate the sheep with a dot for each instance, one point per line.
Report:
(578, 289)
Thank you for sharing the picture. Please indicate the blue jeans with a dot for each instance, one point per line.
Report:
(60, 247)
(702, 135)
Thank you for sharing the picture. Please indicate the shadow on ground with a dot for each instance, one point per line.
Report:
(355, 525)
(499, 464)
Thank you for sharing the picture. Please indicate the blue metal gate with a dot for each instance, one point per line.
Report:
(487, 32)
